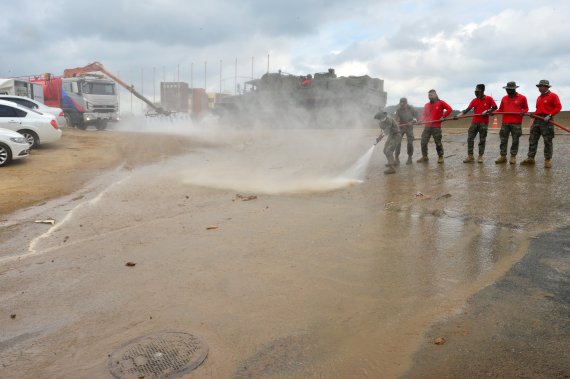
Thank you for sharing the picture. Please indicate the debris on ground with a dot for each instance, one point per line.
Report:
(420, 195)
(212, 227)
(446, 196)
(439, 341)
(13, 316)
(130, 264)
(49, 221)
(246, 197)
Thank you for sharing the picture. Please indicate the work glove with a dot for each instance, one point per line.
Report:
(548, 118)
(414, 121)
(485, 113)
(526, 114)
(442, 118)
(379, 138)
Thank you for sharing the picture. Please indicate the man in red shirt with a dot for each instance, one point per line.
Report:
(482, 106)
(547, 106)
(435, 111)
(511, 124)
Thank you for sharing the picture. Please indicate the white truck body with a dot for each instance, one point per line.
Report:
(20, 87)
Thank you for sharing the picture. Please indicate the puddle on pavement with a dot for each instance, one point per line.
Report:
(333, 284)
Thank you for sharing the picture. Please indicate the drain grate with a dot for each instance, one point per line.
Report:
(161, 355)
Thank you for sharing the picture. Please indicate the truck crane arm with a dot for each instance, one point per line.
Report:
(97, 66)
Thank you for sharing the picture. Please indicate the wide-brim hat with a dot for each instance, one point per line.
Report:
(543, 82)
(511, 85)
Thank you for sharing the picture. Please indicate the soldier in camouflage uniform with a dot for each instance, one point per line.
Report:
(406, 116)
(435, 111)
(515, 106)
(389, 127)
(482, 105)
(547, 106)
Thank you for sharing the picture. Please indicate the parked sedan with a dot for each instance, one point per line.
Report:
(36, 127)
(36, 105)
(13, 145)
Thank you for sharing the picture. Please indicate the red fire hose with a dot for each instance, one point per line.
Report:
(494, 113)
(537, 117)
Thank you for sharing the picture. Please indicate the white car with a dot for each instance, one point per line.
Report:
(36, 105)
(36, 127)
(13, 145)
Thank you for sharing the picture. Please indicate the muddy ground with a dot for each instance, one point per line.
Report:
(259, 243)
(60, 168)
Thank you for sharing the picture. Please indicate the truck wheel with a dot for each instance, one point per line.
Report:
(5, 154)
(81, 125)
(68, 123)
(31, 138)
(101, 125)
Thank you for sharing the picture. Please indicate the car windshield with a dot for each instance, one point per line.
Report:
(98, 88)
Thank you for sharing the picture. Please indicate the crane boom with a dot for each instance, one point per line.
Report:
(98, 67)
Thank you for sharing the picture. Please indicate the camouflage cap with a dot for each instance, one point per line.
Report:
(543, 82)
(381, 115)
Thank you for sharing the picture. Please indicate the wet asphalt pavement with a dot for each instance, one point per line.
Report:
(311, 277)
(519, 327)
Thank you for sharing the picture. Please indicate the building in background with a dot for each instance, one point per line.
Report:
(174, 96)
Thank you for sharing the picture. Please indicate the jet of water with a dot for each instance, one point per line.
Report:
(358, 170)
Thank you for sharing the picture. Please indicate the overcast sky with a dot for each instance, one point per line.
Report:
(412, 45)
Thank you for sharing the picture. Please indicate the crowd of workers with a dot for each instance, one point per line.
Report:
(513, 107)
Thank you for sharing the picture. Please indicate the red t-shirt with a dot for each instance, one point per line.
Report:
(516, 104)
(480, 105)
(433, 112)
(548, 103)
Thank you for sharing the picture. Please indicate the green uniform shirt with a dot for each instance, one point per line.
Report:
(406, 114)
(389, 126)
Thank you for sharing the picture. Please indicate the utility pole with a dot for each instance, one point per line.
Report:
(142, 89)
(220, 76)
(205, 76)
(268, 63)
(154, 85)
(251, 68)
(192, 75)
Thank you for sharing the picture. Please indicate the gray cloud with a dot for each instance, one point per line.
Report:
(412, 45)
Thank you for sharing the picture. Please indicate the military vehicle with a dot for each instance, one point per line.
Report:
(285, 100)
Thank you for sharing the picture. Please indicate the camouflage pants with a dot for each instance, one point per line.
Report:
(544, 129)
(426, 135)
(515, 130)
(390, 146)
(408, 131)
(477, 127)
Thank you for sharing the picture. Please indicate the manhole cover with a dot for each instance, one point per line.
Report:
(161, 355)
